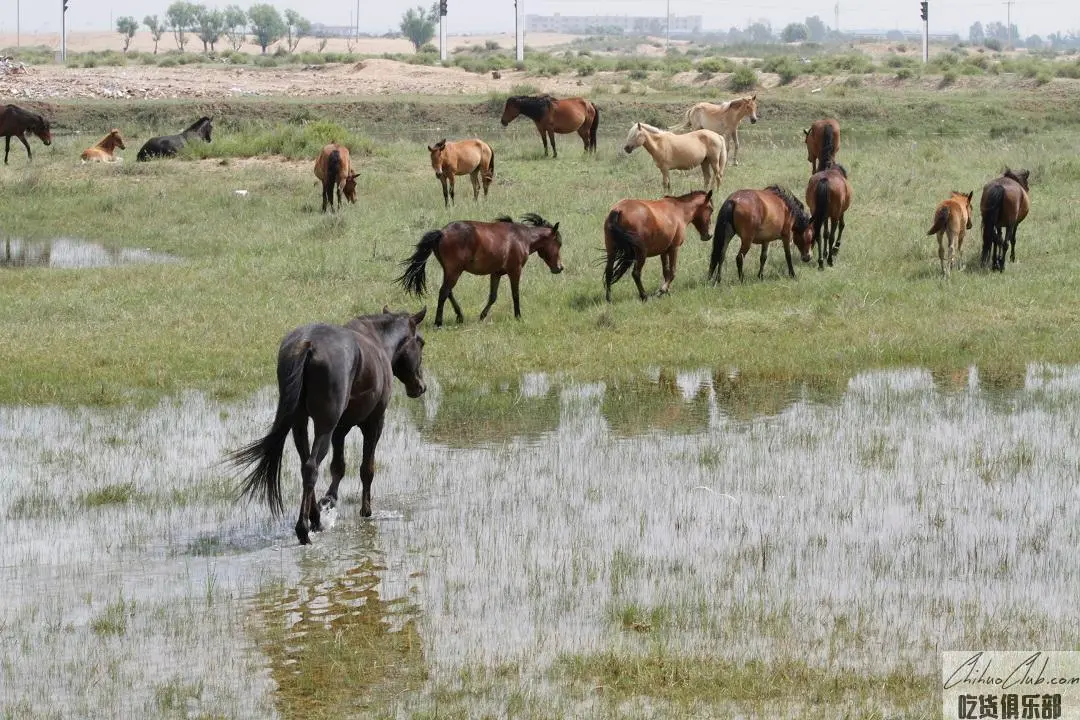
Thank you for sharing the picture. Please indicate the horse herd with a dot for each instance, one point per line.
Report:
(340, 377)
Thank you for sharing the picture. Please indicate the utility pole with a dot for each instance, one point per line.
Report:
(442, 30)
(925, 9)
(63, 30)
(836, 18)
(667, 44)
(18, 33)
(519, 29)
(1008, 20)
(358, 21)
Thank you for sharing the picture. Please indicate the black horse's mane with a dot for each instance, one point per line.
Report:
(504, 218)
(1020, 176)
(802, 217)
(533, 107)
(197, 124)
(838, 166)
(536, 221)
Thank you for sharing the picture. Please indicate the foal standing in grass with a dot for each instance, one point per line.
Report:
(474, 158)
(952, 218)
(722, 119)
(333, 167)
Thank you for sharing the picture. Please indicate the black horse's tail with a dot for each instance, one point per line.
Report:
(722, 234)
(995, 196)
(144, 153)
(414, 279)
(265, 479)
(593, 127)
(941, 221)
(624, 245)
(828, 149)
(491, 166)
(821, 206)
(330, 181)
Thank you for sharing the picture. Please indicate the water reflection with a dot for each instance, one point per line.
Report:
(70, 253)
(672, 402)
(467, 417)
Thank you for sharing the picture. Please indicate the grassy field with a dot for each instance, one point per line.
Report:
(254, 266)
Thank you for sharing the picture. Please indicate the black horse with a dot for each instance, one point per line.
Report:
(16, 121)
(169, 145)
(341, 378)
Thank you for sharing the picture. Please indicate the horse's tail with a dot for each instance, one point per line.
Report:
(821, 205)
(686, 124)
(722, 234)
(827, 146)
(995, 196)
(941, 221)
(144, 153)
(265, 479)
(623, 245)
(330, 180)
(414, 279)
(491, 164)
(593, 127)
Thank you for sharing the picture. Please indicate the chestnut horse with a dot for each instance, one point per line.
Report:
(341, 377)
(722, 119)
(15, 121)
(761, 216)
(474, 158)
(1004, 204)
(636, 230)
(828, 194)
(105, 149)
(333, 167)
(822, 144)
(952, 218)
(669, 151)
(494, 248)
(555, 116)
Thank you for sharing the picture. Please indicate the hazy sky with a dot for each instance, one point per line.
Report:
(480, 16)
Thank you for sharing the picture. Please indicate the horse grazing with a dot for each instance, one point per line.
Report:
(339, 376)
(636, 230)
(1004, 204)
(828, 193)
(681, 152)
(953, 218)
(474, 158)
(15, 121)
(723, 119)
(169, 145)
(761, 216)
(333, 167)
(555, 116)
(822, 144)
(105, 149)
(482, 248)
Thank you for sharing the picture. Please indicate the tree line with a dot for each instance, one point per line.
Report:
(187, 20)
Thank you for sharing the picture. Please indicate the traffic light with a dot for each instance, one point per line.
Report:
(924, 4)
(66, 5)
(442, 7)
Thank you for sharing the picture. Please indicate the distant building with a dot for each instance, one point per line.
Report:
(629, 24)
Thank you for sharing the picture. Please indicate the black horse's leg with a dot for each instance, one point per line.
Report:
(337, 465)
(764, 254)
(739, 260)
(543, 136)
(639, 263)
(1012, 243)
(22, 139)
(515, 278)
(372, 430)
(787, 256)
(457, 308)
(839, 236)
(309, 472)
(493, 295)
(554, 150)
(665, 270)
(445, 191)
(7, 147)
(449, 280)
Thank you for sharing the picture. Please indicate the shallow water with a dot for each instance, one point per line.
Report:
(71, 253)
(861, 525)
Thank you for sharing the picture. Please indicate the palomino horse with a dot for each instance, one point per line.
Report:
(822, 144)
(636, 230)
(15, 121)
(169, 145)
(681, 152)
(1004, 204)
(474, 158)
(723, 119)
(333, 167)
(482, 248)
(828, 193)
(341, 377)
(105, 149)
(952, 218)
(555, 116)
(761, 216)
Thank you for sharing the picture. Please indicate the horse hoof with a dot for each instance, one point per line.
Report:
(303, 537)
(327, 503)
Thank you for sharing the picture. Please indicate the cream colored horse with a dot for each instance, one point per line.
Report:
(681, 152)
(723, 119)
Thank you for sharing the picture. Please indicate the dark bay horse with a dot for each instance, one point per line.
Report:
(482, 248)
(822, 144)
(169, 145)
(1004, 204)
(828, 193)
(555, 116)
(15, 121)
(761, 216)
(339, 376)
(636, 230)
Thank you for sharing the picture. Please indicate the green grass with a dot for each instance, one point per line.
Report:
(256, 266)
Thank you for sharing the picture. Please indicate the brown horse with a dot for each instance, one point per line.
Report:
(474, 158)
(722, 119)
(333, 167)
(828, 193)
(15, 121)
(636, 230)
(1004, 204)
(822, 144)
(105, 149)
(555, 116)
(952, 218)
(494, 248)
(761, 216)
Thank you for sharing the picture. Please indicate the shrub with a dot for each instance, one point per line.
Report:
(905, 73)
(948, 77)
(715, 65)
(1043, 76)
(745, 78)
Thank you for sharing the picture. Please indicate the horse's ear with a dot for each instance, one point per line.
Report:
(806, 132)
(418, 317)
(386, 309)
(971, 195)
(708, 196)
(430, 148)
(639, 126)
(754, 96)
(555, 227)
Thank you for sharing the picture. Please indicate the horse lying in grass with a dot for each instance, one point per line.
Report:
(828, 194)
(761, 216)
(333, 167)
(474, 158)
(16, 122)
(669, 151)
(722, 119)
(1004, 205)
(551, 115)
(952, 218)
(170, 145)
(105, 148)
(822, 144)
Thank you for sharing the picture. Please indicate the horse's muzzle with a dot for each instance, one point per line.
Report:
(807, 257)
(415, 390)
(706, 237)
(628, 149)
(753, 120)
(504, 123)
(556, 270)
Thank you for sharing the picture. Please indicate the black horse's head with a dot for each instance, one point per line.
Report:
(409, 356)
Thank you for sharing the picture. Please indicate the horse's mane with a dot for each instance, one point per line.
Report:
(687, 196)
(1020, 176)
(650, 128)
(197, 124)
(536, 221)
(802, 217)
(533, 107)
(840, 168)
(504, 218)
